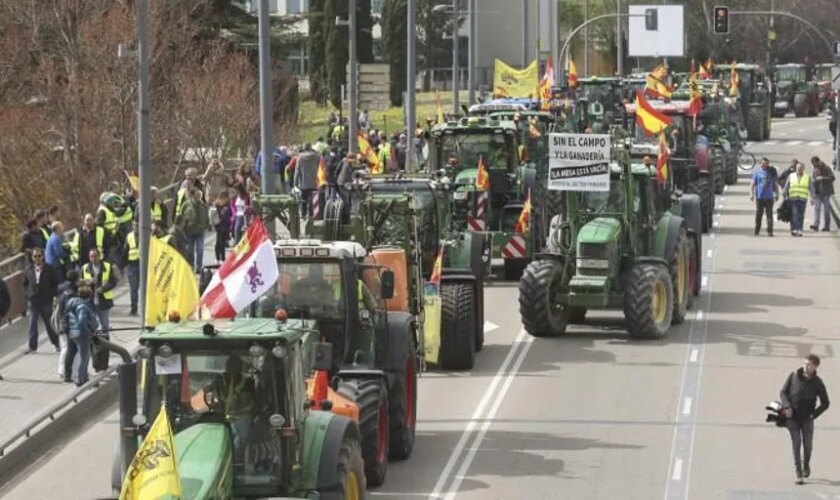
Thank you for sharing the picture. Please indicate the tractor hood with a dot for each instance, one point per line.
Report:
(204, 461)
(600, 230)
(466, 178)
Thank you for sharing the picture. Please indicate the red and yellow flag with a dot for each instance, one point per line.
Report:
(647, 117)
(662, 159)
(437, 269)
(321, 179)
(706, 70)
(695, 104)
(545, 87)
(369, 154)
(482, 178)
(133, 180)
(572, 78)
(655, 83)
(524, 221)
(734, 81)
(533, 130)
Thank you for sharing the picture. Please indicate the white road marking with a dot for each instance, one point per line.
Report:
(815, 143)
(709, 253)
(769, 143)
(490, 326)
(716, 223)
(465, 465)
(699, 315)
(783, 133)
(695, 353)
(686, 410)
(725, 187)
(794, 143)
(677, 474)
(503, 376)
(703, 282)
(713, 235)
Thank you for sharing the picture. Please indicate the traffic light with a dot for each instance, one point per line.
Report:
(651, 19)
(721, 20)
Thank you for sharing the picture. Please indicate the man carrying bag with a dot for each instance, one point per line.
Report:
(799, 404)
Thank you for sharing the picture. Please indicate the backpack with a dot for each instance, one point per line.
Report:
(59, 319)
(5, 299)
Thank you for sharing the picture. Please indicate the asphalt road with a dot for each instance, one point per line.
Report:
(596, 415)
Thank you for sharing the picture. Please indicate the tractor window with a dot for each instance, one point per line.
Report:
(468, 148)
(306, 289)
(604, 202)
(793, 74)
(236, 388)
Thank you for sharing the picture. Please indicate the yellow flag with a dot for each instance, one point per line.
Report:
(153, 473)
(171, 284)
(512, 82)
(133, 180)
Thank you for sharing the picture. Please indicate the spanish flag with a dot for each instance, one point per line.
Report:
(706, 69)
(440, 117)
(572, 78)
(482, 178)
(545, 87)
(369, 154)
(321, 179)
(533, 130)
(437, 269)
(153, 473)
(655, 85)
(651, 120)
(695, 105)
(734, 81)
(524, 221)
(662, 159)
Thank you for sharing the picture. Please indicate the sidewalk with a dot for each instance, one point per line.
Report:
(31, 385)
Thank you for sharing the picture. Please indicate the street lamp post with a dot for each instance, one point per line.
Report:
(266, 102)
(352, 80)
(456, 53)
(473, 48)
(143, 153)
(410, 118)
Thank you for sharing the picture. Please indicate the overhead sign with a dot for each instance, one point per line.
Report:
(579, 162)
(656, 31)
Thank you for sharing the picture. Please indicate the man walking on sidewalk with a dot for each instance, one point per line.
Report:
(41, 284)
(764, 190)
(822, 189)
(799, 404)
(797, 188)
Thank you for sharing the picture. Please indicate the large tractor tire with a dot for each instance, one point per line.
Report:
(703, 188)
(649, 301)
(801, 106)
(679, 257)
(403, 409)
(457, 329)
(731, 175)
(718, 168)
(768, 124)
(351, 473)
(372, 398)
(755, 124)
(540, 317)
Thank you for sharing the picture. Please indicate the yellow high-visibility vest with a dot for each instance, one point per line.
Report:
(179, 202)
(157, 212)
(75, 245)
(799, 186)
(127, 216)
(106, 275)
(110, 224)
(133, 247)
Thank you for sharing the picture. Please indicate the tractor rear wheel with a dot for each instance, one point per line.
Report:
(649, 301)
(800, 105)
(537, 288)
(403, 409)
(577, 315)
(351, 473)
(755, 124)
(703, 188)
(731, 175)
(678, 262)
(372, 398)
(457, 329)
(718, 167)
(692, 271)
(768, 123)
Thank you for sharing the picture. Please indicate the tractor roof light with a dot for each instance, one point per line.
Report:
(145, 352)
(165, 351)
(256, 351)
(279, 351)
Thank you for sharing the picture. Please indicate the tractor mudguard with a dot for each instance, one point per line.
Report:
(466, 256)
(323, 433)
(399, 344)
(691, 211)
(667, 232)
(529, 180)
(650, 260)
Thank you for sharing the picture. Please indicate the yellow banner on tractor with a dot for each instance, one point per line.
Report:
(170, 285)
(512, 82)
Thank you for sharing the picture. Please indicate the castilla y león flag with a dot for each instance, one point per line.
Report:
(246, 274)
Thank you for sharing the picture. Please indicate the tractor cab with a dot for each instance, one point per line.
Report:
(231, 389)
(601, 101)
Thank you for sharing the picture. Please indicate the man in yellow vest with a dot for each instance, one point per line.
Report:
(104, 280)
(159, 214)
(132, 259)
(88, 237)
(105, 216)
(797, 187)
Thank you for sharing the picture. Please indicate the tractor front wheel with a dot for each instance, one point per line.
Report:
(649, 301)
(372, 398)
(679, 261)
(755, 124)
(351, 473)
(800, 105)
(540, 283)
(457, 329)
(403, 405)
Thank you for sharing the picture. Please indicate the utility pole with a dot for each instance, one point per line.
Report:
(353, 78)
(552, 33)
(456, 83)
(618, 41)
(524, 32)
(771, 35)
(585, 39)
(410, 110)
(266, 101)
(473, 50)
(143, 154)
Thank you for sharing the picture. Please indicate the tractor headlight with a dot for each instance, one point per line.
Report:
(593, 264)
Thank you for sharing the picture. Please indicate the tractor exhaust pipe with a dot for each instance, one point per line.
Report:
(127, 376)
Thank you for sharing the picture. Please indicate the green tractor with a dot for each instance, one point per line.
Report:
(602, 102)
(636, 248)
(753, 97)
(794, 89)
(243, 424)
(456, 148)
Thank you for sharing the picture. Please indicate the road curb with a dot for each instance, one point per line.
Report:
(50, 438)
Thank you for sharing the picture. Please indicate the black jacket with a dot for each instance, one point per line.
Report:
(801, 394)
(823, 180)
(41, 292)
